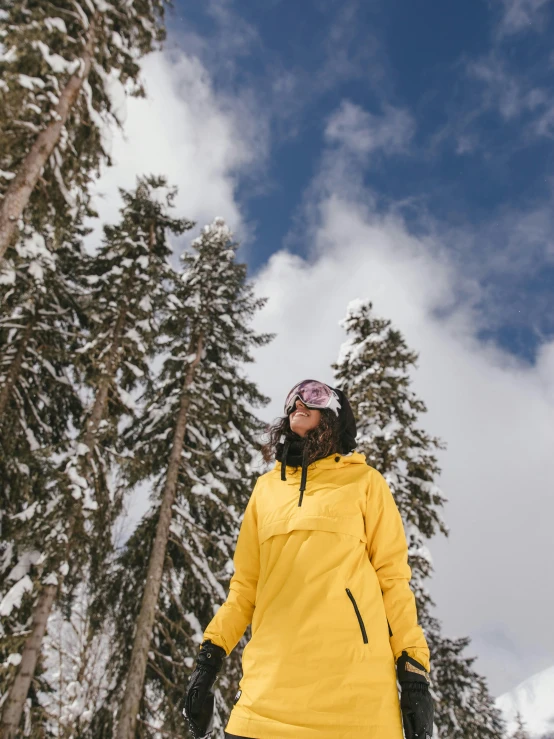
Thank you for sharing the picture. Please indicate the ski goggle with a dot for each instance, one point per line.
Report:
(313, 394)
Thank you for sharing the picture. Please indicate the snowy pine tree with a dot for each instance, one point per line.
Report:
(39, 328)
(373, 370)
(196, 444)
(127, 283)
(40, 320)
(65, 69)
(72, 525)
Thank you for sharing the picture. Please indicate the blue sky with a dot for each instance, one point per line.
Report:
(474, 80)
(400, 152)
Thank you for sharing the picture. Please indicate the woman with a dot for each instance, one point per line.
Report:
(321, 573)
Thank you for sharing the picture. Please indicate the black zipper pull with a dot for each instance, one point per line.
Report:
(303, 477)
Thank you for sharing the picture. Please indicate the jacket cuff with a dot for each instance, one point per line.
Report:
(211, 655)
(411, 671)
(418, 654)
(218, 641)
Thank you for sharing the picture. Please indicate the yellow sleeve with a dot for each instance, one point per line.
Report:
(388, 553)
(232, 618)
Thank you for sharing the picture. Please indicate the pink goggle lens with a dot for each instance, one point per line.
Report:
(310, 392)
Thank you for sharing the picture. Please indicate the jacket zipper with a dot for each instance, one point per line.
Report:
(359, 615)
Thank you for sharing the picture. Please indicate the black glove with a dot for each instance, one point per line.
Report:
(199, 701)
(416, 703)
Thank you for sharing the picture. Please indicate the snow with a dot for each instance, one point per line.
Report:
(90, 504)
(355, 308)
(70, 199)
(13, 659)
(13, 597)
(7, 274)
(55, 23)
(175, 301)
(30, 82)
(24, 564)
(9, 56)
(145, 304)
(6, 557)
(227, 319)
(57, 63)
(126, 399)
(134, 336)
(33, 250)
(117, 41)
(534, 700)
(197, 629)
(423, 552)
(106, 136)
(135, 370)
(103, 6)
(82, 15)
(7, 175)
(75, 478)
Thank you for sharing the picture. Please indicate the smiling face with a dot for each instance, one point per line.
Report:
(303, 419)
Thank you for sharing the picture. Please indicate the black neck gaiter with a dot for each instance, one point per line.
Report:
(296, 446)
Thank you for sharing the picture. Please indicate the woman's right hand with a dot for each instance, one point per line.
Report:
(199, 701)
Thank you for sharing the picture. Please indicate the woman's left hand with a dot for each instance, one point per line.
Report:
(416, 703)
(200, 700)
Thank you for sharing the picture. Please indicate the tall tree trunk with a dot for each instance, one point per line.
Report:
(13, 710)
(20, 188)
(137, 667)
(13, 372)
(101, 398)
(33, 645)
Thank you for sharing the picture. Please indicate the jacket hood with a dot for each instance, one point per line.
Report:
(333, 461)
(347, 424)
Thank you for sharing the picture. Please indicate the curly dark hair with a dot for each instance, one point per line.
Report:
(320, 441)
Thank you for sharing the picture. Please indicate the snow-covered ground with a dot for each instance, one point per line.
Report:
(534, 700)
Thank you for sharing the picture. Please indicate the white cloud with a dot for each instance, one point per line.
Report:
(494, 572)
(504, 90)
(520, 15)
(544, 125)
(361, 132)
(200, 139)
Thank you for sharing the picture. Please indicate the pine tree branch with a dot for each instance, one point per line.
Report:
(160, 674)
(174, 624)
(160, 731)
(15, 367)
(22, 185)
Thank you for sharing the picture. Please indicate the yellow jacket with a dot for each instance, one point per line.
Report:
(319, 581)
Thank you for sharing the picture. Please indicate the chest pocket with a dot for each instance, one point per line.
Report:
(350, 525)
